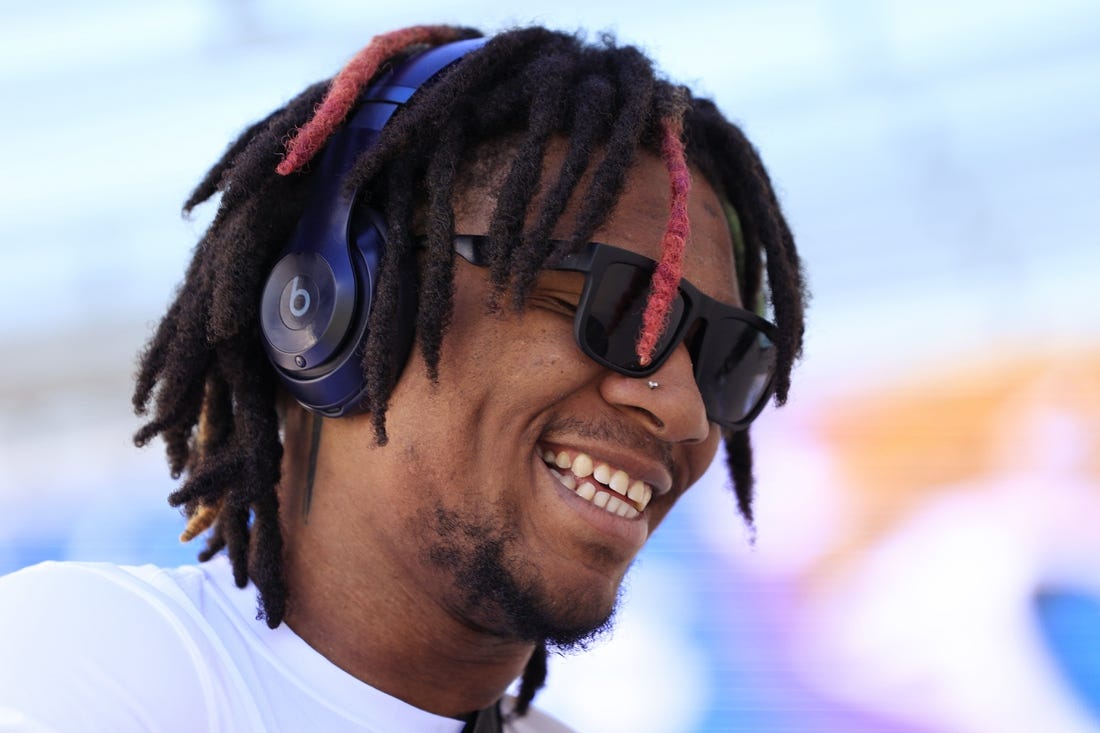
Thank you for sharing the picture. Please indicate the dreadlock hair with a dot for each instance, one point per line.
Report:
(212, 389)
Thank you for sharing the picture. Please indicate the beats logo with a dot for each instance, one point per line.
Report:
(299, 295)
(304, 318)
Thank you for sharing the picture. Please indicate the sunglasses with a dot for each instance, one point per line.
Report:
(732, 350)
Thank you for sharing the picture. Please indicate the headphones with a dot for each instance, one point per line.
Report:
(317, 299)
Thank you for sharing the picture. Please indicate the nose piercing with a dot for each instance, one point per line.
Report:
(653, 385)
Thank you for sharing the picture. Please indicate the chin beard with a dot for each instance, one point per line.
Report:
(503, 594)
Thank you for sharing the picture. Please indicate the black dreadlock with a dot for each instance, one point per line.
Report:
(214, 393)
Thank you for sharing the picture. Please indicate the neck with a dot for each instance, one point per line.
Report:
(401, 644)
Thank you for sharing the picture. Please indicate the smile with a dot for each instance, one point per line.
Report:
(609, 488)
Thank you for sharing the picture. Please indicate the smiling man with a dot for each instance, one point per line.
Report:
(472, 316)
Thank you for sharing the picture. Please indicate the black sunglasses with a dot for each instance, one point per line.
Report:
(732, 350)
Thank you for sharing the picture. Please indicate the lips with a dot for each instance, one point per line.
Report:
(608, 487)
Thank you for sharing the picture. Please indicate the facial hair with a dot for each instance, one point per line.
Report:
(497, 589)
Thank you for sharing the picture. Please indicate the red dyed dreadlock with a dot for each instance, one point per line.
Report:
(347, 85)
(666, 279)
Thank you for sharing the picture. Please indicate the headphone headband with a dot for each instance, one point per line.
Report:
(317, 299)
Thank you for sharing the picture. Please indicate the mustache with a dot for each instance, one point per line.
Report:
(615, 431)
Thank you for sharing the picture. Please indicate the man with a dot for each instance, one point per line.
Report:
(466, 325)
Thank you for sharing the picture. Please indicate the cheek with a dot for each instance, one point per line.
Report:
(521, 361)
(503, 349)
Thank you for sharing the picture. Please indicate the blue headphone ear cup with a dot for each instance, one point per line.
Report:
(315, 326)
(302, 316)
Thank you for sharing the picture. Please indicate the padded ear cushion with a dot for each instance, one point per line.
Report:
(316, 302)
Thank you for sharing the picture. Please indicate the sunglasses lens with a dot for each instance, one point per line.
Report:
(613, 319)
(734, 368)
(734, 361)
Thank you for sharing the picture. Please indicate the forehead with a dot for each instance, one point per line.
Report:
(640, 217)
(637, 222)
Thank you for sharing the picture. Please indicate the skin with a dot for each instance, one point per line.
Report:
(380, 568)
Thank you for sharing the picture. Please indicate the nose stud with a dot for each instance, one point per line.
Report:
(652, 384)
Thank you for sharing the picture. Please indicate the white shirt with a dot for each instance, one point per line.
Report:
(100, 647)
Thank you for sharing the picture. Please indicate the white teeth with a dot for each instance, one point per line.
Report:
(630, 499)
(567, 479)
(619, 482)
(582, 466)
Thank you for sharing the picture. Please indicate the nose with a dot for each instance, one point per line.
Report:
(667, 402)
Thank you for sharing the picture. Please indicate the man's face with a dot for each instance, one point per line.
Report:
(463, 499)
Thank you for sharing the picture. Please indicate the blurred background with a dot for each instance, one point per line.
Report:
(929, 501)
